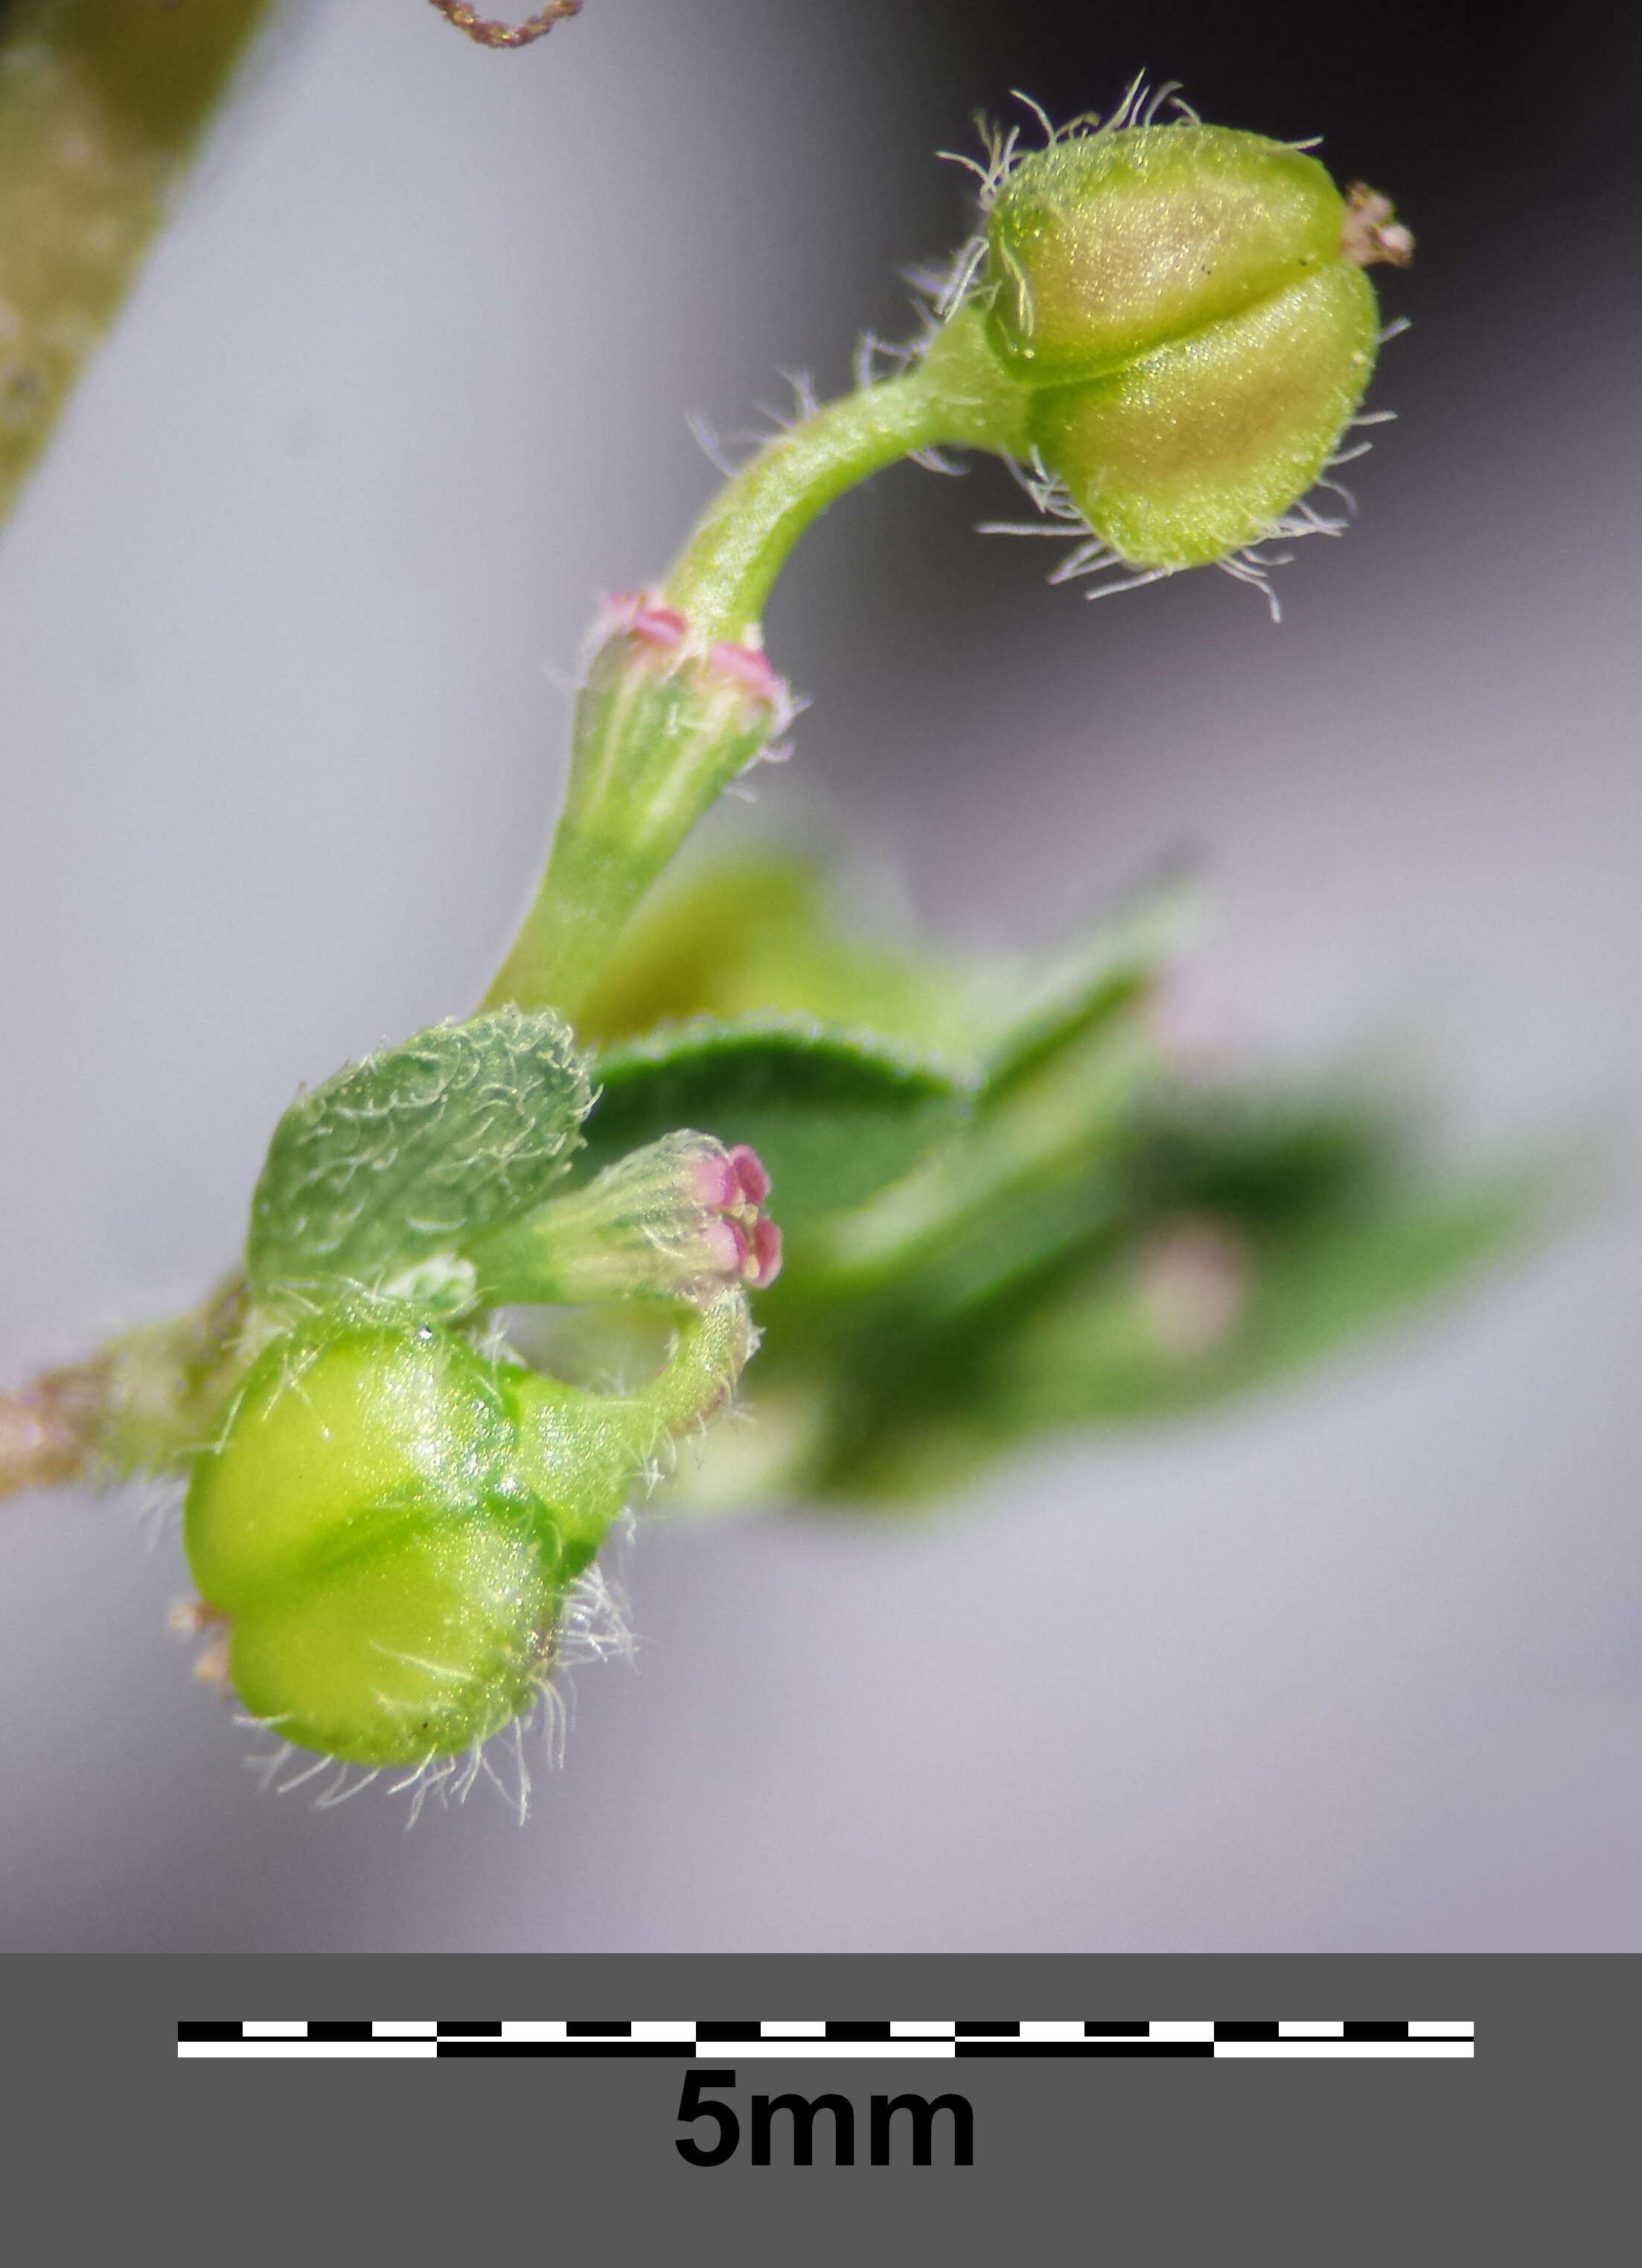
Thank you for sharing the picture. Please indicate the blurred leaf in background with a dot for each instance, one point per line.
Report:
(1012, 1207)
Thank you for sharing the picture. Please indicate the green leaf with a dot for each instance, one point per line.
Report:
(408, 1153)
(835, 1116)
(1009, 1189)
(1070, 993)
(924, 1406)
(686, 950)
(764, 933)
(1228, 1243)
(1096, 1356)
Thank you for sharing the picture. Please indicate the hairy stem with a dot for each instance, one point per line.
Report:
(955, 394)
(143, 1403)
(651, 754)
(48, 1427)
(723, 576)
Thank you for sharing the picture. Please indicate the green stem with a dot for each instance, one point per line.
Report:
(102, 103)
(957, 395)
(652, 752)
(581, 1453)
(726, 572)
(623, 818)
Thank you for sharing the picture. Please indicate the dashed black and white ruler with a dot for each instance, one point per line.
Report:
(689, 2040)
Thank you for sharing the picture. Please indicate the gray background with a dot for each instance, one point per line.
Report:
(282, 625)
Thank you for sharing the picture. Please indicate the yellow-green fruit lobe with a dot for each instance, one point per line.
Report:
(332, 1434)
(417, 1647)
(1106, 245)
(391, 1587)
(1195, 450)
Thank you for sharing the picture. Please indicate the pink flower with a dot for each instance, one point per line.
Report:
(681, 1219)
(732, 1185)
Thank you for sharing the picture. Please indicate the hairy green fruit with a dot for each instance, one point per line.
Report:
(1106, 245)
(390, 1523)
(391, 1584)
(1201, 447)
(1186, 308)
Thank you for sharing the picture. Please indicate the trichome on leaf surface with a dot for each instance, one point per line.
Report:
(494, 1275)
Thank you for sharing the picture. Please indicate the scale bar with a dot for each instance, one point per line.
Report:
(831, 2039)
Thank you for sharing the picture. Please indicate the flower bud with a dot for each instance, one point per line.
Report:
(668, 717)
(1187, 309)
(724, 696)
(679, 1220)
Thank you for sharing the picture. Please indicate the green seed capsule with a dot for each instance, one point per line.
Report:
(1186, 310)
(1197, 449)
(1106, 245)
(390, 1523)
(390, 1584)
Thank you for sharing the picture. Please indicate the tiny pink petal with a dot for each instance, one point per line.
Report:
(724, 1248)
(746, 666)
(715, 1183)
(659, 626)
(638, 614)
(751, 1179)
(766, 1256)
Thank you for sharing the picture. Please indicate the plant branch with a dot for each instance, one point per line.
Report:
(954, 394)
(679, 698)
(102, 104)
